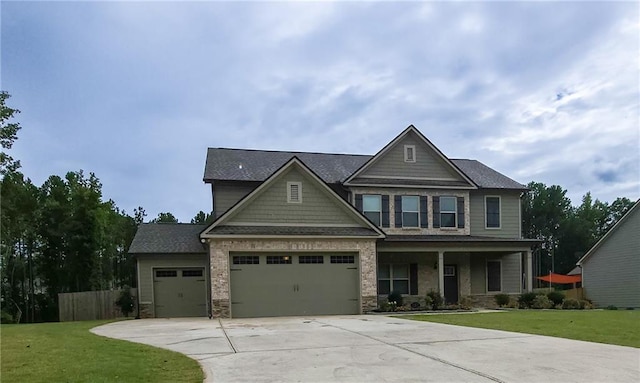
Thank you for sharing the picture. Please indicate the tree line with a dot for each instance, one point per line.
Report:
(62, 236)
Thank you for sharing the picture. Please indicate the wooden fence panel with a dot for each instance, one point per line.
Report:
(91, 305)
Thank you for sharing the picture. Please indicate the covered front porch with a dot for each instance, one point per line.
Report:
(454, 266)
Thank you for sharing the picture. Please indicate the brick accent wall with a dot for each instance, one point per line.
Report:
(146, 310)
(219, 250)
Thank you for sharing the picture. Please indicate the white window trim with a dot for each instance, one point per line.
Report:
(371, 211)
(499, 212)
(391, 278)
(486, 274)
(289, 184)
(417, 211)
(455, 213)
(406, 153)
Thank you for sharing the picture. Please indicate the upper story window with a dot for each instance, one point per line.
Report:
(409, 153)
(410, 211)
(372, 208)
(294, 192)
(448, 211)
(492, 209)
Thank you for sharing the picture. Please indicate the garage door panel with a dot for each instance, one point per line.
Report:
(310, 288)
(180, 292)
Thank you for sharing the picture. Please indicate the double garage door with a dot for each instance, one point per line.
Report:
(179, 292)
(293, 284)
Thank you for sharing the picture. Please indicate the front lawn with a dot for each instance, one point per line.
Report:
(620, 327)
(68, 352)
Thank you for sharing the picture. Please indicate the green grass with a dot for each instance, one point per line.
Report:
(620, 327)
(68, 352)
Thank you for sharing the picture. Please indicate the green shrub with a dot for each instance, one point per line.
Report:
(5, 317)
(502, 299)
(571, 304)
(396, 297)
(586, 304)
(556, 297)
(611, 307)
(125, 302)
(526, 300)
(466, 303)
(436, 299)
(541, 302)
(428, 302)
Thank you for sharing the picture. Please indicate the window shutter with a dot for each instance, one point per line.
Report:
(413, 279)
(460, 212)
(398, 209)
(358, 198)
(385, 211)
(436, 211)
(424, 222)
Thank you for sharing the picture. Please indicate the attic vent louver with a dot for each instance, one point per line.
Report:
(294, 192)
(409, 153)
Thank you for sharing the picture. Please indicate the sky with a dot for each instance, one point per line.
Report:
(135, 92)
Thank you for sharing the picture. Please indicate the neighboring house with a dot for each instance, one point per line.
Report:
(313, 233)
(611, 269)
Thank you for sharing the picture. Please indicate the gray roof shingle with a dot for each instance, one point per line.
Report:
(294, 230)
(485, 177)
(258, 165)
(167, 238)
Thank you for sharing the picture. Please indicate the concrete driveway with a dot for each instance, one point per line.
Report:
(370, 348)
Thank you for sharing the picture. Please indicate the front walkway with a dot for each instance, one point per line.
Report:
(376, 348)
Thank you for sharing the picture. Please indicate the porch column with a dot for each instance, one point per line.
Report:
(529, 271)
(441, 272)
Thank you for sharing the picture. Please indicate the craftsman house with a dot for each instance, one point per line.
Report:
(301, 233)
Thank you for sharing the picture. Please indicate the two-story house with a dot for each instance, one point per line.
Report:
(302, 233)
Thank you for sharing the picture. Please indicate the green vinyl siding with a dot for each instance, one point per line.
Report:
(510, 272)
(318, 206)
(509, 214)
(146, 264)
(611, 274)
(428, 163)
(227, 194)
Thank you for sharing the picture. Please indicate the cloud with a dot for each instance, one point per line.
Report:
(136, 91)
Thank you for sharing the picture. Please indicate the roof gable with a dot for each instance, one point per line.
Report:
(427, 167)
(268, 205)
(632, 216)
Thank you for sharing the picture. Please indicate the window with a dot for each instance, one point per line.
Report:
(449, 271)
(409, 153)
(294, 192)
(492, 208)
(246, 260)
(278, 260)
(372, 208)
(166, 273)
(393, 278)
(343, 259)
(448, 211)
(305, 259)
(494, 276)
(410, 211)
(192, 273)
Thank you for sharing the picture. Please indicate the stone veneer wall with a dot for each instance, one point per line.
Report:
(219, 250)
(146, 310)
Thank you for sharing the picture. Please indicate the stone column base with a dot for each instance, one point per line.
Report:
(221, 308)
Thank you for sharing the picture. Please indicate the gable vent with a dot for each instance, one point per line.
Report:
(409, 153)
(294, 192)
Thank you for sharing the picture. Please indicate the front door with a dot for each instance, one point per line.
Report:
(450, 284)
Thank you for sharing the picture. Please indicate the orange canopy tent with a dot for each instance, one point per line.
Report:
(559, 278)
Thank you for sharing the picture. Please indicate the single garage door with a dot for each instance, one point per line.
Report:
(294, 284)
(179, 292)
